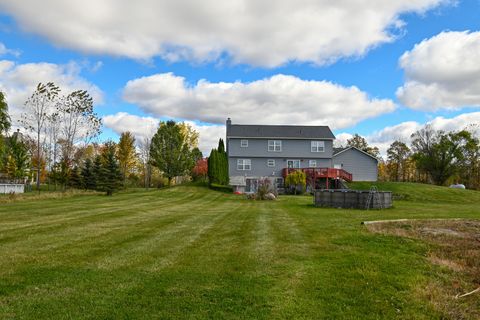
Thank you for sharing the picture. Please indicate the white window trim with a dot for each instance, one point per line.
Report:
(242, 144)
(274, 146)
(271, 163)
(295, 160)
(317, 146)
(279, 182)
(310, 163)
(243, 164)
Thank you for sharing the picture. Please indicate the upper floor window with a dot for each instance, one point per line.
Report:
(244, 164)
(312, 163)
(318, 146)
(271, 163)
(274, 145)
(243, 143)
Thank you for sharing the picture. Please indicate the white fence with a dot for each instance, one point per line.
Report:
(12, 188)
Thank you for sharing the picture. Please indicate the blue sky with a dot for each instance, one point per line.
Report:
(125, 62)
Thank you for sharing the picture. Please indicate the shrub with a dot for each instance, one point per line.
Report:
(296, 182)
(265, 191)
(264, 187)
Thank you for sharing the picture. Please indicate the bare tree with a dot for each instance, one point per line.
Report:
(38, 108)
(78, 122)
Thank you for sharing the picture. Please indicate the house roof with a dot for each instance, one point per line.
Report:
(337, 151)
(279, 131)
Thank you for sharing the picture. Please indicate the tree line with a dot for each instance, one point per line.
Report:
(60, 147)
(432, 156)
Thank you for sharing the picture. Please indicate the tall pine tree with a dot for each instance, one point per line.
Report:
(97, 170)
(88, 178)
(110, 175)
(218, 165)
(75, 180)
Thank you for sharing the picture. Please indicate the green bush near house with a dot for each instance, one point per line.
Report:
(296, 182)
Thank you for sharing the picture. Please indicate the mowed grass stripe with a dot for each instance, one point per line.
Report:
(58, 210)
(115, 211)
(91, 236)
(190, 253)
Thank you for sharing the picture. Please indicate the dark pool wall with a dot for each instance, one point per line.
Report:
(351, 199)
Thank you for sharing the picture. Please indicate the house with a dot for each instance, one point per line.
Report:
(362, 165)
(272, 151)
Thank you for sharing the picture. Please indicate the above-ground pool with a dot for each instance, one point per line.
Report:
(356, 199)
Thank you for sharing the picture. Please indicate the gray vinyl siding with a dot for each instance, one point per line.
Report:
(361, 166)
(260, 168)
(291, 149)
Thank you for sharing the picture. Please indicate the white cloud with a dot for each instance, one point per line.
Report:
(442, 72)
(383, 138)
(267, 33)
(145, 127)
(341, 139)
(6, 51)
(19, 81)
(281, 99)
(140, 127)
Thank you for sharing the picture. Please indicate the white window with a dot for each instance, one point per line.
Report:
(274, 145)
(271, 163)
(293, 164)
(312, 163)
(318, 146)
(338, 166)
(244, 164)
(244, 143)
(279, 183)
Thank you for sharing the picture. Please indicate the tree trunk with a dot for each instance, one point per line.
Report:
(38, 161)
(170, 181)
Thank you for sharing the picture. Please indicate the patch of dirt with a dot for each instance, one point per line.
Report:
(454, 246)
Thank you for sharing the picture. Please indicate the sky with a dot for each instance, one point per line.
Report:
(382, 69)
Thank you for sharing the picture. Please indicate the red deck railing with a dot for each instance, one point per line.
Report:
(321, 173)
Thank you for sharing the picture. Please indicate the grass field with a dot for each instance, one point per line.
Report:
(192, 253)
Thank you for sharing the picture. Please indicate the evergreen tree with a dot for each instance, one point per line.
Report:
(96, 171)
(218, 166)
(221, 146)
(212, 167)
(74, 179)
(88, 178)
(110, 175)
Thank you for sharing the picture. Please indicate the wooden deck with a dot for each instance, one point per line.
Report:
(316, 173)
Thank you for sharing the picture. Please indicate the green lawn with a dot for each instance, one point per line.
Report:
(192, 253)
